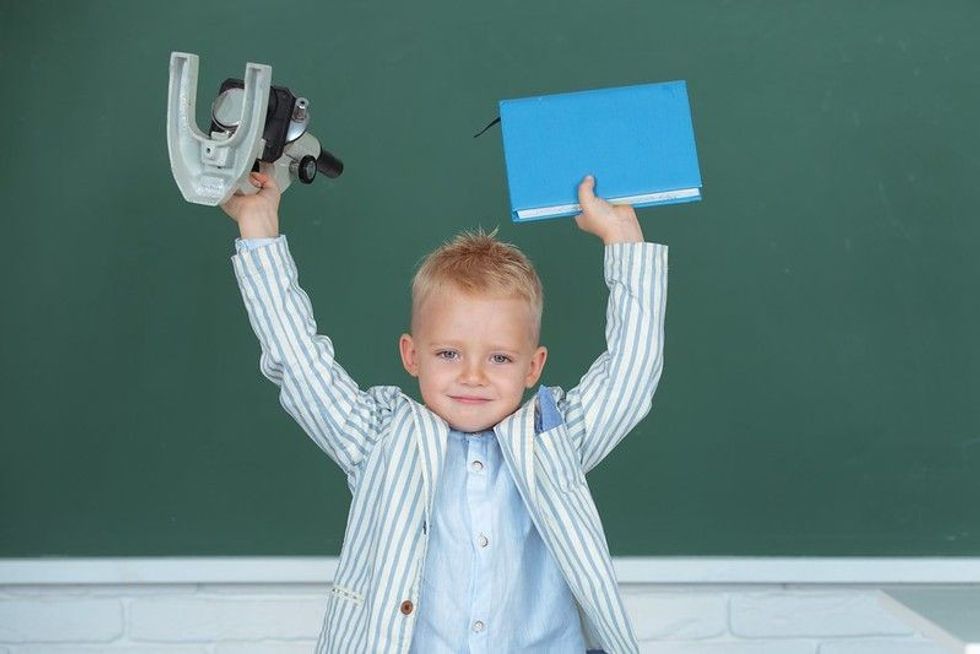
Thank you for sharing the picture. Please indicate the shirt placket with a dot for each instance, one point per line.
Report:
(478, 476)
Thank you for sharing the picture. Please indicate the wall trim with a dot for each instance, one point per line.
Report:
(635, 570)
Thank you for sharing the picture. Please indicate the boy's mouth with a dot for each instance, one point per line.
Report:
(469, 399)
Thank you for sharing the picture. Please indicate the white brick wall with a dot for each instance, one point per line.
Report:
(677, 615)
(811, 614)
(222, 618)
(57, 619)
(879, 645)
(285, 619)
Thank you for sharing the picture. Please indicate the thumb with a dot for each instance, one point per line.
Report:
(586, 192)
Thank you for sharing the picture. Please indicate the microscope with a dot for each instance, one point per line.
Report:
(254, 127)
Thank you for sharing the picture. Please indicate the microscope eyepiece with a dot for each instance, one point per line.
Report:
(328, 164)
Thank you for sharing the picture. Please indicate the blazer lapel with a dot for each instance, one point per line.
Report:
(431, 435)
(516, 437)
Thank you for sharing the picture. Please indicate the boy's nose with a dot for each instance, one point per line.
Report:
(473, 374)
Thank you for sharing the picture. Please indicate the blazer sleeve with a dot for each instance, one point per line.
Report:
(617, 391)
(315, 390)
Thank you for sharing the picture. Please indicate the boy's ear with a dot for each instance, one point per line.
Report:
(537, 366)
(406, 346)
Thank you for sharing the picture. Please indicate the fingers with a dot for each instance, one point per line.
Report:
(265, 178)
(261, 180)
(243, 201)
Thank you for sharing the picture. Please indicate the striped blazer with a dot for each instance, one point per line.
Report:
(392, 448)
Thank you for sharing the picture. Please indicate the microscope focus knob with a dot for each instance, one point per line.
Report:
(306, 169)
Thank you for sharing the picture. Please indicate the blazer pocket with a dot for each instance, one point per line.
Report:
(347, 594)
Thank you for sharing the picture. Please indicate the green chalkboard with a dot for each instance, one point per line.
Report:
(821, 393)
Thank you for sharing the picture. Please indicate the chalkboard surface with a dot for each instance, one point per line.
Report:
(820, 393)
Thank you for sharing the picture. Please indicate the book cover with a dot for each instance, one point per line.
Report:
(638, 142)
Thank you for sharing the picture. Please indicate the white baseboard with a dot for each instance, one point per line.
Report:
(633, 570)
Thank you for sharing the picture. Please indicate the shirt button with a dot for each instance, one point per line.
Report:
(477, 465)
(478, 626)
(407, 607)
(483, 540)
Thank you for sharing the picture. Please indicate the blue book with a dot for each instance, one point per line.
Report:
(638, 141)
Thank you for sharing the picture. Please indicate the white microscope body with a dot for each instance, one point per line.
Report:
(254, 126)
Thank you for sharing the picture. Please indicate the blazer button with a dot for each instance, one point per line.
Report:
(407, 607)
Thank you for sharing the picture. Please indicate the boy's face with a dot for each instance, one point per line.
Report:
(473, 355)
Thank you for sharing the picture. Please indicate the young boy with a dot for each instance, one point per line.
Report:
(471, 527)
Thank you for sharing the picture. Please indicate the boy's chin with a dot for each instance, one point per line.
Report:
(473, 423)
(469, 427)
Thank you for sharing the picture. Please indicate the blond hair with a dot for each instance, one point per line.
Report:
(478, 264)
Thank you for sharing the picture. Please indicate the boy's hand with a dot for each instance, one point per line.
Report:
(257, 215)
(612, 223)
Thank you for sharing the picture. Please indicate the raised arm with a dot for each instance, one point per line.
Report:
(342, 420)
(617, 391)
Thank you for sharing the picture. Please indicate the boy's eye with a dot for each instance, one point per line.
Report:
(500, 358)
(449, 355)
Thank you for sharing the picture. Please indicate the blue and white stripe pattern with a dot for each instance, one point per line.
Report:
(392, 450)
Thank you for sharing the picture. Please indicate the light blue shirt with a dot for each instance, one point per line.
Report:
(489, 583)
